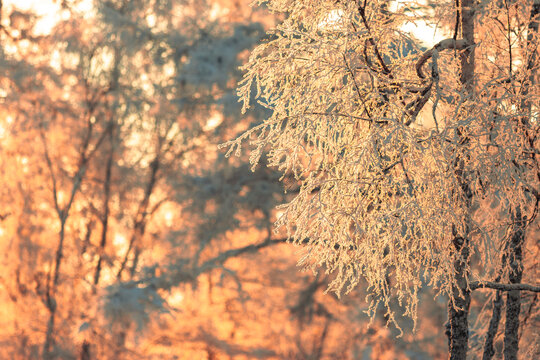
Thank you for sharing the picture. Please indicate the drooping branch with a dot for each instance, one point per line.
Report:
(503, 287)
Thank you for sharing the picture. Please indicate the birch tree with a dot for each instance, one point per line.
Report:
(416, 166)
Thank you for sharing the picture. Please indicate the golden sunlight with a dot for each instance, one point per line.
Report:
(380, 167)
(49, 12)
(425, 31)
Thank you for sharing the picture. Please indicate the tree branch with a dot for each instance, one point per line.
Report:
(221, 258)
(446, 44)
(362, 12)
(503, 287)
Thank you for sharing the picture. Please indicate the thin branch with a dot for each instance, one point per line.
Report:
(340, 115)
(362, 12)
(106, 209)
(142, 213)
(528, 313)
(360, 97)
(221, 258)
(509, 38)
(415, 106)
(51, 170)
(458, 16)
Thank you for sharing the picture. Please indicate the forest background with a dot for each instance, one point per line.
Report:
(126, 233)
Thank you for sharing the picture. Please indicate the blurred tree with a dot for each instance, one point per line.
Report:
(111, 117)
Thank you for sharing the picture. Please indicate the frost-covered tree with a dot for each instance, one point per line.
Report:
(416, 166)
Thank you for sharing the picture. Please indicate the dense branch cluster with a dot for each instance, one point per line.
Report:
(401, 160)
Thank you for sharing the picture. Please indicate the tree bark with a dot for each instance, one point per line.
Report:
(493, 328)
(513, 298)
(489, 351)
(515, 256)
(458, 305)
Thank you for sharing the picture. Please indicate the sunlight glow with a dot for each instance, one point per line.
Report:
(175, 298)
(3, 132)
(535, 114)
(169, 216)
(119, 240)
(151, 20)
(217, 10)
(213, 122)
(332, 20)
(49, 12)
(426, 32)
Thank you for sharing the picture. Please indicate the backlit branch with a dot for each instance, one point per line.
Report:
(446, 44)
(503, 287)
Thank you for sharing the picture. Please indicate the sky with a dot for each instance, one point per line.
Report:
(49, 13)
(429, 34)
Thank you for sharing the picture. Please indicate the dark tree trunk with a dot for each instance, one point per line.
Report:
(85, 351)
(519, 221)
(513, 298)
(458, 305)
(489, 351)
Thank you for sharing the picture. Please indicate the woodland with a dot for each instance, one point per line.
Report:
(271, 179)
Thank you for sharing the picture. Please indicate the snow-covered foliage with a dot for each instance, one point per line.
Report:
(401, 157)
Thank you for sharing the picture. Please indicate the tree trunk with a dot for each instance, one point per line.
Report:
(48, 346)
(513, 298)
(106, 209)
(489, 351)
(85, 351)
(519, 221)
(458, 305)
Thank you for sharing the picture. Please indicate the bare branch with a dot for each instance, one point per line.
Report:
(445, 44)
(503, 287)
(51, 170)
(221, 258)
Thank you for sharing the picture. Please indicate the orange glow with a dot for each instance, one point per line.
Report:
(125, 233)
